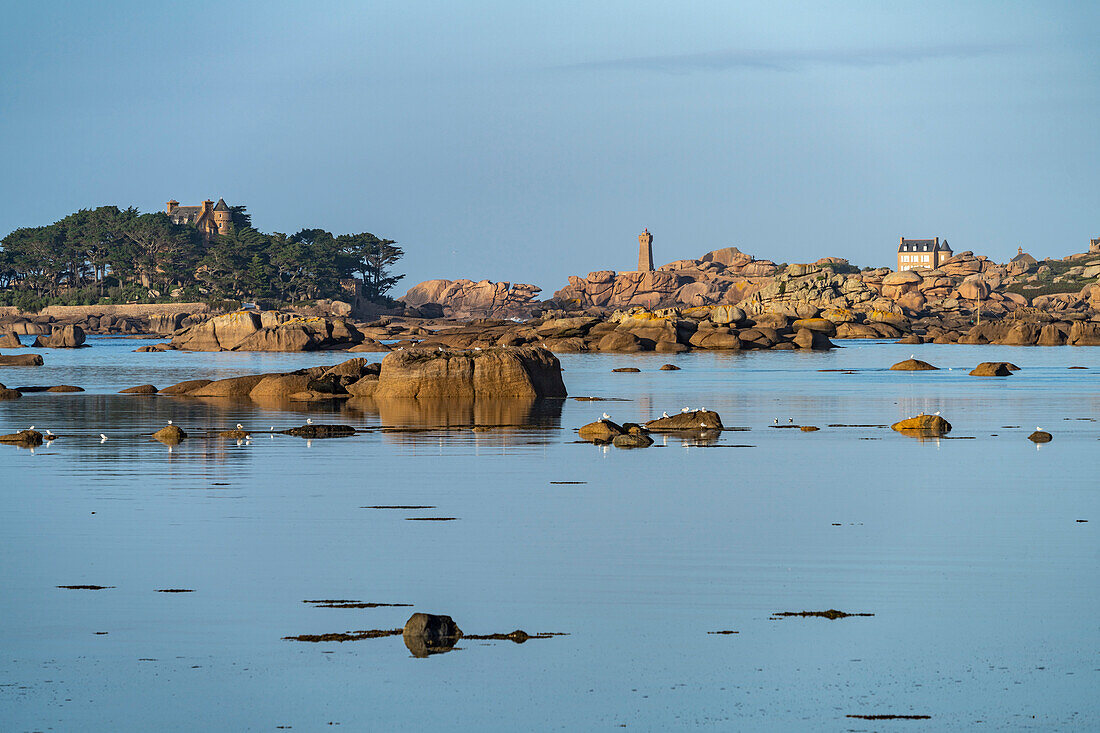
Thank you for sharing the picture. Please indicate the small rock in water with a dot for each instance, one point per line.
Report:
(669, 368)
(140, 389)
(913, 365)
(170, 434)
(923, 425)
(632, 440)
(1040, 436)
(627, 369)
(808, 428)
(994, 369)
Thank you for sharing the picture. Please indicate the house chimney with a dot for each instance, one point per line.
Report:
(172, 206)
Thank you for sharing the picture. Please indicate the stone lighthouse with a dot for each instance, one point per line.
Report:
(645, 252)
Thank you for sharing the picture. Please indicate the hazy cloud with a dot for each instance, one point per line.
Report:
(790, 60)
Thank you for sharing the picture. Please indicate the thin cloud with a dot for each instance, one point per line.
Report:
(790, 61)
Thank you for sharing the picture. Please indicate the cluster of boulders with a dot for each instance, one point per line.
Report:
(668, 331)
(267, 331)
(634, 435)
(959, 287)
(503, 373)
(466, 298)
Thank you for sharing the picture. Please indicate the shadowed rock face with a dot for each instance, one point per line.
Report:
(427, 634)
(502, 372)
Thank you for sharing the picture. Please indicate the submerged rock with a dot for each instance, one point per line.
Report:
(321, 431)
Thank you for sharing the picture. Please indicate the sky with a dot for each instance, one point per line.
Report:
(526, 142)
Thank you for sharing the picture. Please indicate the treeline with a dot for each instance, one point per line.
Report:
(121, 254)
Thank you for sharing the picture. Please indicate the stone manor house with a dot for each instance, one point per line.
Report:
(208, 217)
(928, 253)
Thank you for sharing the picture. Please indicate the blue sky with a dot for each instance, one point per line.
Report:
(526, 142)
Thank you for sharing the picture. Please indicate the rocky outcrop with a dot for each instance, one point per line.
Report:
(268, 331)
(63, 337)
(466, 298)
(500, 372)
(20, 360)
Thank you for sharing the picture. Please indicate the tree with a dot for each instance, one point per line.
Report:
(372, 258)
(161, 252)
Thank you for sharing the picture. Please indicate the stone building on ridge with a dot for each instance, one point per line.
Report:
(208, 217)
(922, 253)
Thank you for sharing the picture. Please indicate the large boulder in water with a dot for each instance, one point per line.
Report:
(498, 372)
(63, 337)
(279, 386)
(427, 633)
(232, 387)
(221, 333)
(9, 340)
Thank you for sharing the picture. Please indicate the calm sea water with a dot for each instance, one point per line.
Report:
(969, 551)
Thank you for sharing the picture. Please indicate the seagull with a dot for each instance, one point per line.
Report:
(1038, 428)
(664, 414)
(937, 412)
(790, 420)
(240, 427)
(702, 409)
(271, 429)
(49, 434)
(309, 421)
(702, 424)
(775, 421)
(912, 356)
(31, 428)
(169, 422)
(606, 416)
(686, 409)
(102, 438)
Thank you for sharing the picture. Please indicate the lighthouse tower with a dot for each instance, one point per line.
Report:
(645, 252)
